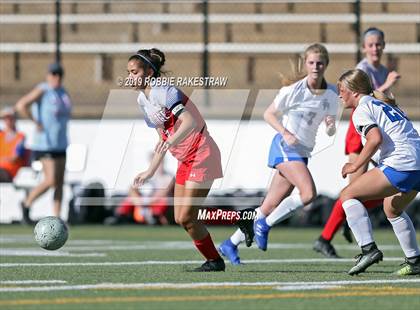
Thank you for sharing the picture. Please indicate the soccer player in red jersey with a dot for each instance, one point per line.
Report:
(183, 132)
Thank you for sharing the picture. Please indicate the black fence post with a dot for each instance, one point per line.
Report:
(57, 31)
(205, 61)
(356, 28)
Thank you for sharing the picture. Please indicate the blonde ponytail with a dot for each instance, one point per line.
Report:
(357, 80)
(388, 99)
(297, 72)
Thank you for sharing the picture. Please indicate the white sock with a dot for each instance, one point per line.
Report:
(259, 215)
(284, 210)
(406, 234)
(238, 236)
(359, 222)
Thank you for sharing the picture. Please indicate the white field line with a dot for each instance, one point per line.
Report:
(185, 262)
(106, 245)
(32, 253)
(33, 282)
(276, 285)
(30, 239)
(186, 245)
(306, 287)
(97, 245)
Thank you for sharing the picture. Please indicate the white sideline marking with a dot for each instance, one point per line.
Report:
(111, 245)
(186, 245)
(198, 285)
(33, 282)
(306, 287)
(23, 252)
(184, 262)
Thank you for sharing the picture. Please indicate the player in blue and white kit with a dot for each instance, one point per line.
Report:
(373, 45)
(303, 105)
(390, 134)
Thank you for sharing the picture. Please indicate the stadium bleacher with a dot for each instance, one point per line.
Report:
(267, 43)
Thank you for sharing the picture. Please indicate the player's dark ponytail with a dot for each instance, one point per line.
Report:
(157, 57)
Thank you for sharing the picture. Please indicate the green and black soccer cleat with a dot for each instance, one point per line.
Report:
(410, 268)
(364, 260)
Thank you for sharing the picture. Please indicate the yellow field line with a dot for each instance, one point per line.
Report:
(306, 295)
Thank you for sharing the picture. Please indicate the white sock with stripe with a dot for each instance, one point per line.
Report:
(285, 209)
(359, 222)
(406, 234)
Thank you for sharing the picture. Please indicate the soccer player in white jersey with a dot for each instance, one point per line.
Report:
(373, 45)
(397, 178)
(183, 132)
(304, 105)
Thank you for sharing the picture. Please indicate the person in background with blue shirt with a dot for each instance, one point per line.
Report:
(48, 105)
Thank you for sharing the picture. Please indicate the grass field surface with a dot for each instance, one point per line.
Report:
(135, 267)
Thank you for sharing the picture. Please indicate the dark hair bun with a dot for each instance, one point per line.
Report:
(157, 56)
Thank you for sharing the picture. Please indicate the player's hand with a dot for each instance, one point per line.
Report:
(162, 147)
(348, 168)
(329, 120)
(392, 78)
(289, 138)
(330, 125)
(141, 178)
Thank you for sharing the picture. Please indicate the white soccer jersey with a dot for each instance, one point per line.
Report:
(303, 111)
(400, 148)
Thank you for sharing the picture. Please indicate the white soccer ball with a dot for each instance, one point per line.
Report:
(51, 233)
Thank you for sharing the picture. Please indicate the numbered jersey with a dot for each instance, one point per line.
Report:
(400, 148)
(303, 111)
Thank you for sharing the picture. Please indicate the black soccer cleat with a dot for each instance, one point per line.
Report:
(364, 260)
(325, 248)
(211, 266)
(247, 227)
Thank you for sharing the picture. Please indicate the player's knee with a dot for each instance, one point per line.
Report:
(308, 196)
(392, 212)
(184, 220)
(345, 195)
(49, 183)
